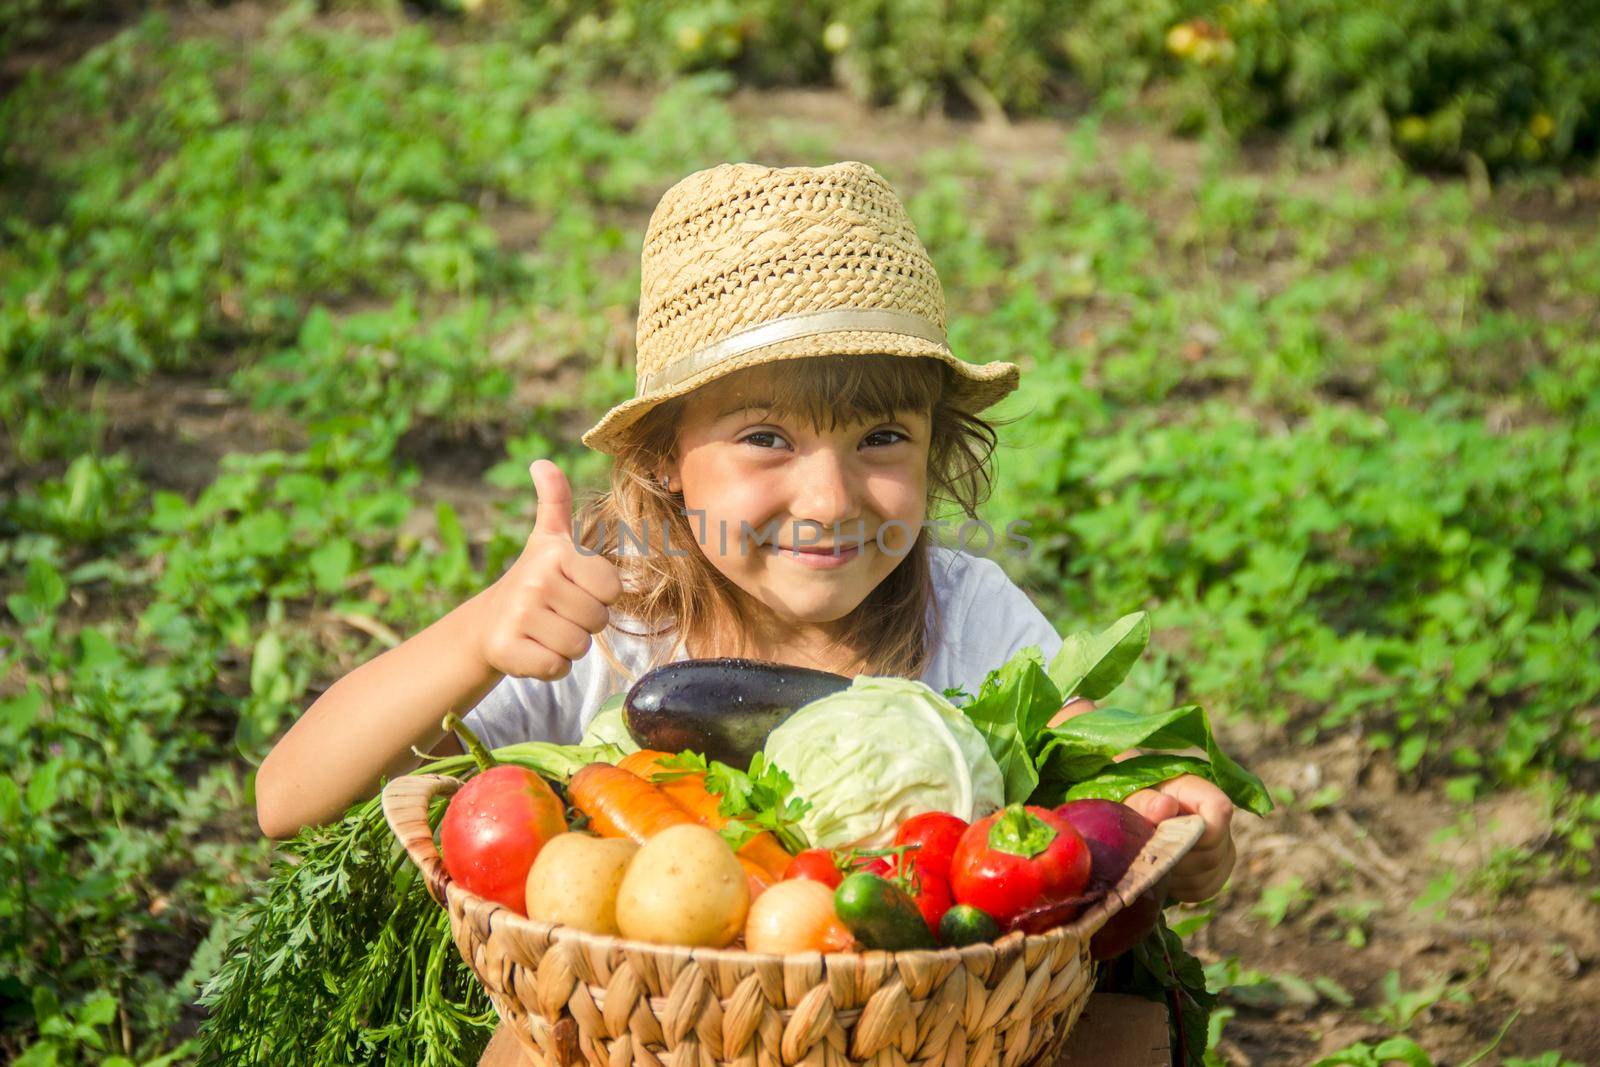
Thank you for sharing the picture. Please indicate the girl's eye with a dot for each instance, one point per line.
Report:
(768, 438)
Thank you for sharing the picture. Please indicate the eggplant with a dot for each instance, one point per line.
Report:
(723, 708)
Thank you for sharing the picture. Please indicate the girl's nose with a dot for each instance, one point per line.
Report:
(822, 490)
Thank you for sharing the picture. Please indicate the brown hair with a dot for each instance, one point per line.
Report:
(681, 595)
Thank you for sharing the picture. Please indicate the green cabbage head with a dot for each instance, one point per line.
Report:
(871, 756)
(608, 727)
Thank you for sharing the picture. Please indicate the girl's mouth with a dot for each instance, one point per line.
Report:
(820, 557)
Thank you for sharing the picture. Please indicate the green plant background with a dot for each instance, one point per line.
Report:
(288, 302)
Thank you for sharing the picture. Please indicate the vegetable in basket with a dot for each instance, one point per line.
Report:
(1019, 859)
(621, 804)
(928, 889)
(683, 887)
(496, 825)
(880, 914)
(608, 727)
(575, 881)
(816, 865)
(1047, 765)
(796, 916)
(869, 757)
(965, 925)
(688, 790)
(722, 708)
(1115, 834)
(933, 835)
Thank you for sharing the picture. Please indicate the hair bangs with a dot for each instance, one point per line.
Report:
(830, 390)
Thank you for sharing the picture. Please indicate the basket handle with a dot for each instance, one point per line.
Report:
(405, 808)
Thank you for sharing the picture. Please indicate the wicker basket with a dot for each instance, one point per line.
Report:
(572, 997)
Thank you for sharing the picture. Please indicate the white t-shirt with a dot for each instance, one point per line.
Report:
(986, 620)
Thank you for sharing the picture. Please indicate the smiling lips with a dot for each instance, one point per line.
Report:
(820, 556)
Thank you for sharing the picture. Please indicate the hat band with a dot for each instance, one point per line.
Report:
(805, 324)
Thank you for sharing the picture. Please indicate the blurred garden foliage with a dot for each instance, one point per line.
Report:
(1445, 83)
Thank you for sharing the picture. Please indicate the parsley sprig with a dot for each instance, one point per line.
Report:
(753, 801)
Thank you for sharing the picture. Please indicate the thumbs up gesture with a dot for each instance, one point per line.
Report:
(540, 614)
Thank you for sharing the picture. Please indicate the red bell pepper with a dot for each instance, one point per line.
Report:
(1018, 859)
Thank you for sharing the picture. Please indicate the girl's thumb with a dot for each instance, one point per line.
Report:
(1154, 806)
(554, 514)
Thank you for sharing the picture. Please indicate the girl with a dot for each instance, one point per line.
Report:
(798, 416)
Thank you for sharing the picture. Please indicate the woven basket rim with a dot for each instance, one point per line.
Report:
(1172, 839)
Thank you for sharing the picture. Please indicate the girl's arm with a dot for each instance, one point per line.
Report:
(533, 622)
(362, 729)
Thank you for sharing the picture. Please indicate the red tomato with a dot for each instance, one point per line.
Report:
(494, 827)
(936, 833)
(1016, 859)
(931, 891)
(816, 864)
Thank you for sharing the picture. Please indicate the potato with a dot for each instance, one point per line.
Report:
(575, 878)
(684, 887)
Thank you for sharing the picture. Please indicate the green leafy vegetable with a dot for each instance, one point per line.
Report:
(1092, 665)
(343, 957)
(869, 757)
(1019, 698)
(761, 798)
(1084, 747)
(1013, 704)
(1118, 781)
(1046, 765)
(609, 727)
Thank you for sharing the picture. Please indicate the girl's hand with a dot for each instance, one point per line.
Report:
(1204, 869)
(539, 616)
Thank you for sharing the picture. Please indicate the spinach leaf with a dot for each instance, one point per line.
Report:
(1083, 747)
(1015, 702)
(1118, 781)
(1092, 665)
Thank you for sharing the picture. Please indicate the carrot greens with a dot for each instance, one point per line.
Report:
(342, 956)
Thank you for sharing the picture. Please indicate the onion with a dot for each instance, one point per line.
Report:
(796, 916)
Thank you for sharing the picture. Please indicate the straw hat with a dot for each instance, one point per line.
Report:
(745, 264)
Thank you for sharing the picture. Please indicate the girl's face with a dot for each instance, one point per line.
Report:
(805, 520)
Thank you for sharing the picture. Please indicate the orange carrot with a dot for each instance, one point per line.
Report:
(755, 876)
(689, 792)
(643, 763)
(620, 804)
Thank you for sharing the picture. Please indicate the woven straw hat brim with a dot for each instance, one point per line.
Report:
(978, 385)
(745, 264)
